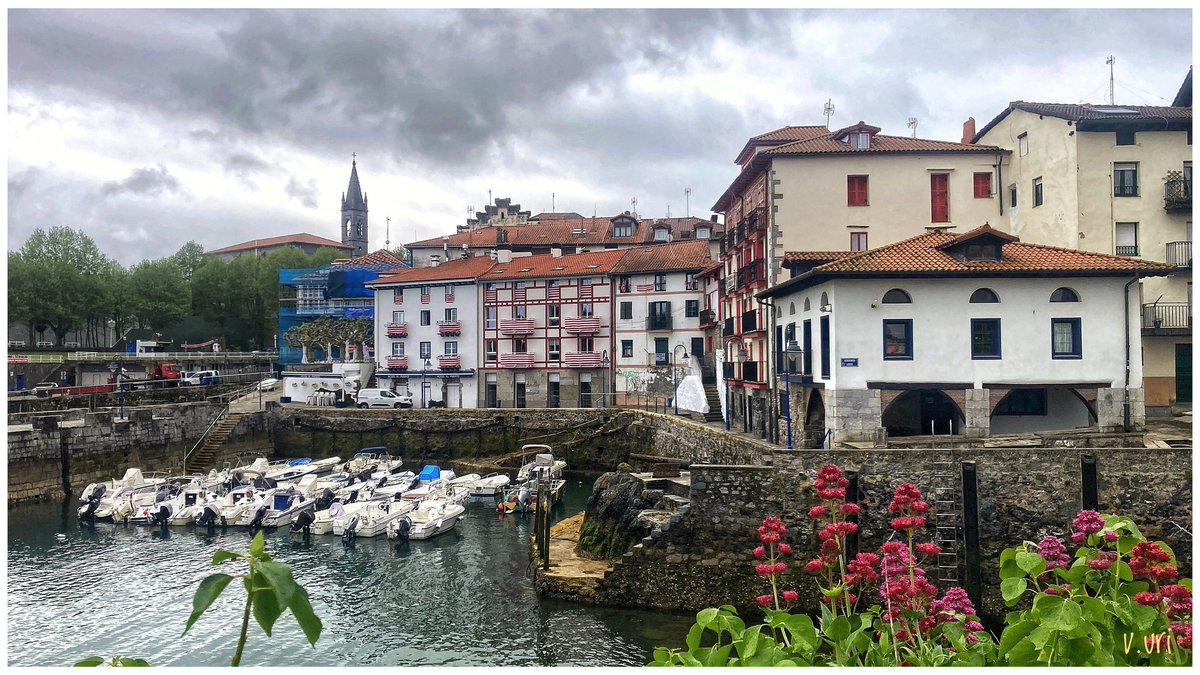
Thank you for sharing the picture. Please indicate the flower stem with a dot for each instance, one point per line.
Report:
(237, 655)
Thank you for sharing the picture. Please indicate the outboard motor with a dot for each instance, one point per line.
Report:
(403, 527)
(364, 475)
(207, 518)
(163, 515)
(349, 531)
(88, 512)
(303, 521)
(325, 500)
(259, 516)
(162, 494)
(523, 499)
(353, 497)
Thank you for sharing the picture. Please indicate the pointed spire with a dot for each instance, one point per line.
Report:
(354, 197)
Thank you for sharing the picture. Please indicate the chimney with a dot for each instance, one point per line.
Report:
(968, 130)
(555, 250)
(504, 255)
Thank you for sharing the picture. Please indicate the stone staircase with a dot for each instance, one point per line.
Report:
(714, 404)
(201, 460)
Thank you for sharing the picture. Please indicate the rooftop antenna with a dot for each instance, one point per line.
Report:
(489, 197)
(912, 124)
(633, 202)
(593, 209)
(1111, 60)
(828, 111)
(387, 234)
(687, 201)
(551, 202)
(668, 210)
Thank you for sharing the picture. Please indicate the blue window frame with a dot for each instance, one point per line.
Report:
(1066, 339)
(897, 339)
(985, 338)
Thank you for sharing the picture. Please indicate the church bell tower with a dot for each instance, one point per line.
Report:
(354, 214)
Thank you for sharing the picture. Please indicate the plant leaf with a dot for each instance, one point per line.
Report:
(1079, 650)
(133, 663)
(258, 545)
(706, 616)
(302, 610)
(1012, 589)
(1057, 613)
(89, 662)
(273, 591)
(694, 635)
(838, 629)
(209, 589)
(1022, 653)
(749, 642)
(223, 555)
(1031, 563)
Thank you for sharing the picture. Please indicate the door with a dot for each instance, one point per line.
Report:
(697, 346)
(1183, 373)
(825, 348)
(807, 365)
(939, 198)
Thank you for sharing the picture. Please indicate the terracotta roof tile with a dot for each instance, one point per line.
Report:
(1091, 115)
(677, 256)
(793, 133)
(283, 240)
(880, 143)
(546, 265)
(459, 268)
(797, 256)
(567, 233)
(380, 257)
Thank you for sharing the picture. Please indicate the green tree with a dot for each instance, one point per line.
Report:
(66, 269)
(160, 294)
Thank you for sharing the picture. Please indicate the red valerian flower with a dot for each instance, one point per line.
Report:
(759, 552)
(1111, 536)
(1088, 522)
(764, 600)
(1078, 537)
(1183, 633)
(764, 569)
(815, 566)
(818, 512)
(928, 549)
(790, 596)
(785, 549)
(905, 494)
(1053, 552)
(1102, 561)
(1179, 600)
(1146, 561)
(1061, 589)
(849, 509)
(1148, 599)
(779, 568)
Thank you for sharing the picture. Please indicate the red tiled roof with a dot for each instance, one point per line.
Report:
(546, 265)
(380, 257)
(982, 229)
(567, 233)
(797, 256)
(880, 143)
(459, 268)
(784, 135)
(1088, 112)
(301, 238)
(677, 256)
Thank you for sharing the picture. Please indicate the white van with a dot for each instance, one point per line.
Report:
(197, 377)
(382, 398)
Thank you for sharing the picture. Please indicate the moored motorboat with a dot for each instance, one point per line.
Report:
(429, 519)
(490, 486)
(227, 508)
(278, 508)
(543, 459)
(373, 518)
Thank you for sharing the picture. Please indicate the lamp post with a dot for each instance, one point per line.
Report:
(115, 369)
(423, 371)
(792, 347)
(604, 363)
(674, 376)
(728, 400)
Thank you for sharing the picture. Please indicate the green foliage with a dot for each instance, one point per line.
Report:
(116, 662)
(270, 590)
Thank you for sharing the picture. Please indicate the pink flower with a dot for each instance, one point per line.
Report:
(775, 524)
(928, 549)
(790, 596)
(892, 547)
(1183, 633)
(1053, 552)
(1148, 599)
(1088, 522)
(1099, 563)
(818, 512)
(759, 552)
(814, 566)
(764, 569)
(1179, 600)
(779, 568)
(785, 549)
(905, 494)
(850, 509)
(832, 494)
(1145, 559)
(764, 600)
(1078, 537)
(1111, 536)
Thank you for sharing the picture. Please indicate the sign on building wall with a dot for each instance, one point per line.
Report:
(849, 363)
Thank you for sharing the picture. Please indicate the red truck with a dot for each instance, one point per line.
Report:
(153, 377)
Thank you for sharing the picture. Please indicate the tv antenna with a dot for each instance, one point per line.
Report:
(387, 234)
(633, 203)
(551, 202)
(828, 111)
(687, 200)
(912, 124)
(489, 197)
(1111, 61)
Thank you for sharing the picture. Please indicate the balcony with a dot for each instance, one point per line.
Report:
(450, 362)
(397, 330)
(729, 370)
(750, 371)
(581, 359)
(582, 324)
(749, 322)
(397, 363)
(708, 318)
(1179, 253)
(449, 328)
(728, 329)
(516, 360)
(1177, 195)
(658, 322)
(729, 283)
(754, 272)
(516, 326)
(1167, 318)
(1126, 250)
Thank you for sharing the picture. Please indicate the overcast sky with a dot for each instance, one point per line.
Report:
(148, 128)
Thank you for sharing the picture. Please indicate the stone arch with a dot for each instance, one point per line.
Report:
(912, 413)
(814, 419)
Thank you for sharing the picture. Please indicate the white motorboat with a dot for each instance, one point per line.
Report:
(321, 519)
(122, 495)
(429, 481)
(490, 486)
(227, 508)
(372, 519)
(541, 460)
(376, 459)
(278, 507)
(167, 500)
(133, 477)
(395, 484)
(429, 519)
(194, 497)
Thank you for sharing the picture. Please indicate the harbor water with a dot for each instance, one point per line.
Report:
(464, 598)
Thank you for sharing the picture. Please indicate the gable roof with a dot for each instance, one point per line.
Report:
(925, 255)
(298, 239)
(546, 265)
(564, 232)
(1089, 117)
(782, 135)
(674, 257)
(380, 257)
(1183, 97)
(459, 268)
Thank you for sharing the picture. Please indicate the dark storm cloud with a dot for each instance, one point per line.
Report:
(143, 181)
(305, 193)
(244, 164)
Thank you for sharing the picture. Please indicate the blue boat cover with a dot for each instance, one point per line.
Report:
(430, 472)
(299, 462)
(282, 502)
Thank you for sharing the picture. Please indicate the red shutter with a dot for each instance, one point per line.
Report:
(939, 198)
(983, 185)
(856, 191)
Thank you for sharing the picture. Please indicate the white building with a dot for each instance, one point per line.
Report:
(427, 327)
(974, 334)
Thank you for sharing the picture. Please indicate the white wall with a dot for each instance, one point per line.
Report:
(683, 327)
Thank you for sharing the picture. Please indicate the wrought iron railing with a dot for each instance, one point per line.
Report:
(1167, 315)
(1127, 250)
(1179, 253)
(1177, 195)
(749, 322)
(658, 322)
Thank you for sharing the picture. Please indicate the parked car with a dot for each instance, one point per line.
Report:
(197, 377)
(382, 398)
(48, 388)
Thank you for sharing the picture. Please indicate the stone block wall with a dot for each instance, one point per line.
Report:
(1110, 408)
(853, 414)
(977, 410)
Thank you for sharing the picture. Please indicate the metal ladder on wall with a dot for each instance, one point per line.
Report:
(946, 498)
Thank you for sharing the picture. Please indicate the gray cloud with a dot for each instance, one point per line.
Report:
(143, 181)
(305, 193)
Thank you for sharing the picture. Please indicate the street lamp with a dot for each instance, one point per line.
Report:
(423, 371)
(604, 363)
(674, 375)
(729, 357)
(115, 369)
(792, 347)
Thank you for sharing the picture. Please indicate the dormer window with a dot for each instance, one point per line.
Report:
(660, 234)
(703, 233)
(860, 141)
(982, 252)
(623, 230)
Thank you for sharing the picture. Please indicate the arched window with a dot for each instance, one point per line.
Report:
(791, 308)
(824, 299)
(896, 297)
(807, 305)
(1064, 294)
(984, 295)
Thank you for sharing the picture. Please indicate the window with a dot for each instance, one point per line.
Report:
(489, 317)
(858, 241)
(985, 338)
(585, 344)
(1127, 239)
(860, 141)
(585, 310)
(489, 350)
(520, 285)
(451, 314)
(703, 233)
(552, 314)
(976, 252)
(690, 283)
(660, 282)
(426, 350)
(424, 290)
(397, 349)
(398, 296)
(1125, 179)
(554, 348)
(984, 295)
(424, 317)
(489, 399)
(626, 310)
(939, 198)
(660, 349)
(983, 185)
(1065, 339)
(450, 348)
(520, 346)
(449, 294)
(552, 391)
(897, 339)
(1126, 137)
(626, 348)
(1023, 144)
(896, 297)
(1037, 191)
(1022, 402)
(623, 230)
(1012, 195)
(857, 191)
(554, 283)
(518, 311)
(660, 234)
(398, 317)
(691, 308)
(519, 390)
(586, 281)
(1064, 294)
